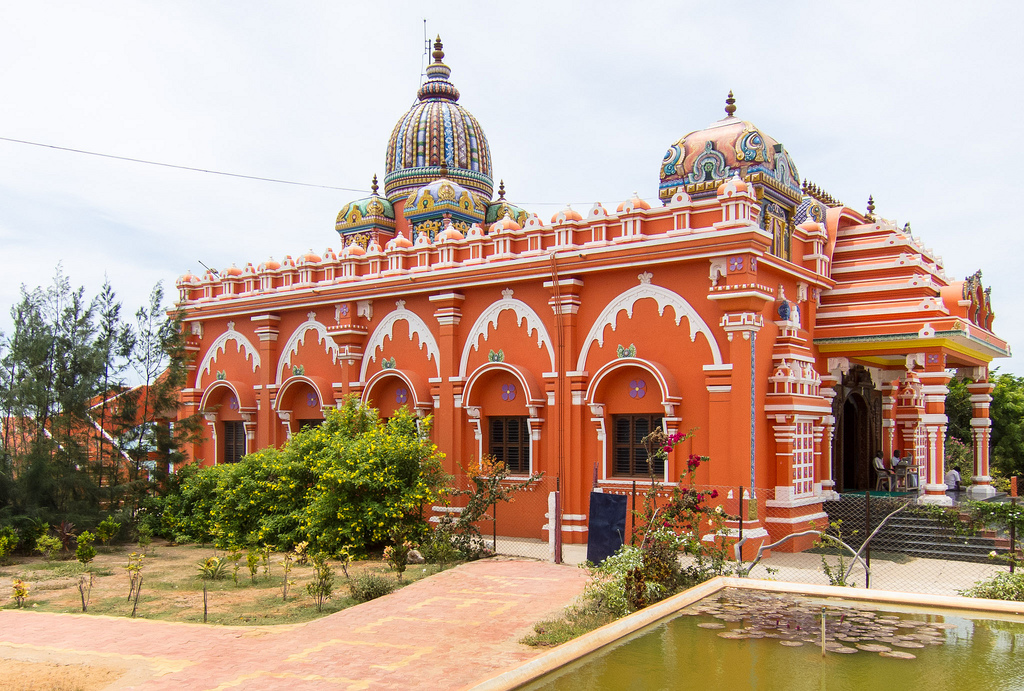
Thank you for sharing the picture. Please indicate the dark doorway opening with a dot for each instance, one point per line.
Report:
(858, 413)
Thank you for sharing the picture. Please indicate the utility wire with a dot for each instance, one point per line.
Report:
(171, 165)
(231, 175)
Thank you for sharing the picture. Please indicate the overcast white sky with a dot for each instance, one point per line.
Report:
(914, 103)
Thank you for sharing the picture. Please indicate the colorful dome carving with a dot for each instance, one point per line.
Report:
(429, 207)
(361, 215)
(500, 208)
(702, 160)
(437, 132)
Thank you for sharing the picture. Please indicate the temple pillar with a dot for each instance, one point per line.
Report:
(267, 329)
(934, 387)
(567, 412)
(448, 419)
(981, 431)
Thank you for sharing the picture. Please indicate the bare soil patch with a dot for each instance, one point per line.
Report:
(19, 675)
(173, 591)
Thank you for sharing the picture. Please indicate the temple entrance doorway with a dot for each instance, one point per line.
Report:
(858, 413)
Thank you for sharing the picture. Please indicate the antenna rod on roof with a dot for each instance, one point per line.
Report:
(426, 52)
(213, 271)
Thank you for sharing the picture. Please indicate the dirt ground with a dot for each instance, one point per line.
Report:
(173, 591)
(37, 676)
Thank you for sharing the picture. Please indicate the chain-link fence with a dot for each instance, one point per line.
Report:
(877, 540)
(889, 541)
(520, 527)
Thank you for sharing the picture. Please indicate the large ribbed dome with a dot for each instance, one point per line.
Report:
(437, 131)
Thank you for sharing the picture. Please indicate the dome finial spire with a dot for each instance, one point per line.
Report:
(730, 105)
(373, 185)
(501, 190)
(438, 53)
(871, 205)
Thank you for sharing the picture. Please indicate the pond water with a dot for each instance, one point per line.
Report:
(742, 639)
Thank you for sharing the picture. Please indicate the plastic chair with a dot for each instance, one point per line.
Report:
(883, 475)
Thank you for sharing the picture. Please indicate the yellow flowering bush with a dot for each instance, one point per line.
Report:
(350, 482)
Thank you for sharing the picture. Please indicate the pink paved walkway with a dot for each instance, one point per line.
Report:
(445, 632)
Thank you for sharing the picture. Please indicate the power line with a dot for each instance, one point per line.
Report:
(231, 175)
(171, 165)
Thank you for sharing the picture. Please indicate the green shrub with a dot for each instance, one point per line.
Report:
(186, 510)
(322, 586)
(84, 551)
(107, 529)
(48, 546)
(349, 483)
(8, 541)
(370, 586)
(1002, 586)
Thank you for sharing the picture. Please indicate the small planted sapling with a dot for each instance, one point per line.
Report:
(85, 553)
(107, 529)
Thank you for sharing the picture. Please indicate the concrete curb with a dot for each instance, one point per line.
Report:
(567, 653)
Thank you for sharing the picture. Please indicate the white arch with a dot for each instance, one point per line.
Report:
(300, 379)
(531, 388)
(298, 338)
(489, 316)
(419, 392)
(220, 345)
(417, 327)
(665, 298)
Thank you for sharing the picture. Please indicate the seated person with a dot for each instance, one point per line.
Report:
(879, 463)
(953, 479)
(896, 460)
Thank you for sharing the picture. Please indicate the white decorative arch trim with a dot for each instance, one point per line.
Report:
(420, 394)
(534, 397)
(665, 298)
(489, 317)
(666, 382)
(242, 344)
(292, 381)
(214, 388)
(417, 327)
(298, 338)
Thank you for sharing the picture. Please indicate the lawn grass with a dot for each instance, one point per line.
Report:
(572, 623)
(173, 591)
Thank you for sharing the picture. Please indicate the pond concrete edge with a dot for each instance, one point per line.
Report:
(515, 677)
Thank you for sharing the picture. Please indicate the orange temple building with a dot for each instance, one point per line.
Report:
(796, 336)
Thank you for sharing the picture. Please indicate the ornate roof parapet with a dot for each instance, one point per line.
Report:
(815, 192)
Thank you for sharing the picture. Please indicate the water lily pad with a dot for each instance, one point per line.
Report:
(791, 644)
(711, 625)
(873, 648)
(899, 655)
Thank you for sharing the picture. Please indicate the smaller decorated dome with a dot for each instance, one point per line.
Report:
(500, 208)
(636, 202)
(449, 234)
(374, 248)
(428, 207)
(353, 249)
(232, 271)
(249, 269)
(732, 187)
(363, 214)
(566, 214)
(310, 257)
(187, 278)
(399, 242)
(269, 265)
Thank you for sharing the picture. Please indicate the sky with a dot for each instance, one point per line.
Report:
(913, 103)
